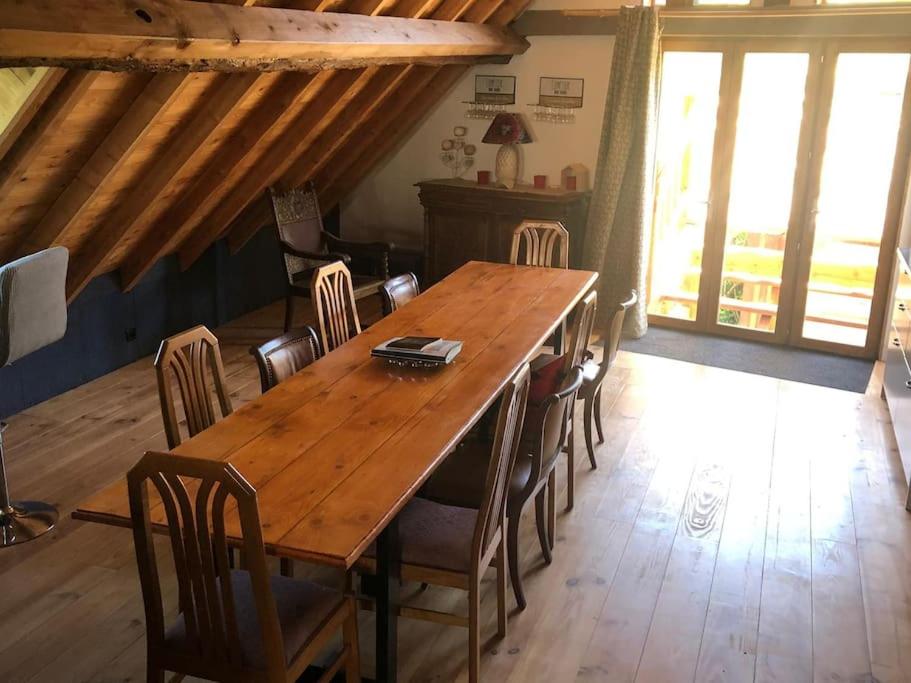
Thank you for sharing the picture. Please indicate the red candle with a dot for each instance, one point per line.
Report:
(540, 181)
(570, 182)
(483, 177)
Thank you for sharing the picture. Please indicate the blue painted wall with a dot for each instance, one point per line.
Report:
(217, 288)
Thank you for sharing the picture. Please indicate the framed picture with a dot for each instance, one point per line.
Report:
(495, 89)
(561, 92)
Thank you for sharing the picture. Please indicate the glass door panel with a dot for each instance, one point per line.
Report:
(854, 186)
(686, 133)
(766, 142)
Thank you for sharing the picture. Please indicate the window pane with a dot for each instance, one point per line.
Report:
(686, 134)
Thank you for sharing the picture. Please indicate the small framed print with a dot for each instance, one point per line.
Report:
(495, 89)
(561, 92)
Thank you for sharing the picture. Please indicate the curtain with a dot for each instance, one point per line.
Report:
(615, 239)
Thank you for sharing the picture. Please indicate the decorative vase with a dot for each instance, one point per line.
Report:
(507, 166)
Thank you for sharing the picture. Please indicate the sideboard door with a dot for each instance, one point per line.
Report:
(454, 238)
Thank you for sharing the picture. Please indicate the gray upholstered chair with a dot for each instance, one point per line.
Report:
(32, 315)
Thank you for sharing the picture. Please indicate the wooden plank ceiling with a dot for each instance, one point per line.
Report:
(124, 168)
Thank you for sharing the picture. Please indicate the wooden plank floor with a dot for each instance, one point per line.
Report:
(738, 528)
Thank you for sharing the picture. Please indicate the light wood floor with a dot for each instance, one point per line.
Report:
(738, 528)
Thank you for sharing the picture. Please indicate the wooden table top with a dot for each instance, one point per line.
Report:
(338, 449)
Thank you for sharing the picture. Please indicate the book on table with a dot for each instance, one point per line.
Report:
(421, 349)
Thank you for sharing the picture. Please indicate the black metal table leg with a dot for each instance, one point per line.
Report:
(388, 565)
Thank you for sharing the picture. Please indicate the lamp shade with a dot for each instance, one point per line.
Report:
(507, 128)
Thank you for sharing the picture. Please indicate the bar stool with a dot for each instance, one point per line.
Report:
(32, 316)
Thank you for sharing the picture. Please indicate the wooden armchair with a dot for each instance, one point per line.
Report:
(305, 246)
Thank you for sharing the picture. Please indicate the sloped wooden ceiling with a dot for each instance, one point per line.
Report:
(124, 168)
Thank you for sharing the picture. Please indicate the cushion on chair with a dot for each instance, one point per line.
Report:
(546, 376)
(302, 606)
(32, 303)
(435, 535)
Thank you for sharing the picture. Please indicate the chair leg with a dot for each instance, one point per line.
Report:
(570, 466)
(512, 546)
(598, 424)
(153, 673)
(349, 638)
(501, 586)
(587, 420)
(541, 523)
(474, 630)
(289, 312)
(552, 508)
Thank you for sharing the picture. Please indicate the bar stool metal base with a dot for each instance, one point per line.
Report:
(24, 521)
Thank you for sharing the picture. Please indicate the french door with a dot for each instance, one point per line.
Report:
(780, 169)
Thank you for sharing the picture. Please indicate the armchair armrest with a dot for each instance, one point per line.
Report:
(313, 255)
(377, 252)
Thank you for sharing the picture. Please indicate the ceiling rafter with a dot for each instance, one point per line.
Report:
(255, 214)
(134, 208)
(34, 136)
(124, 138)
(169, 35)
(30, 108)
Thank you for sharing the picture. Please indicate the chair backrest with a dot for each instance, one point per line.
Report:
(32, 303)
(398, 291)
(613, 332)
(492, 513)
(300, 226)
(581, 332)
(281, 357)
(195, 494)
(540, 240)
(333, 303)
(185, 357)
(549, 434)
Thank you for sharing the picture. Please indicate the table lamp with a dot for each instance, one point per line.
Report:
(507, 130)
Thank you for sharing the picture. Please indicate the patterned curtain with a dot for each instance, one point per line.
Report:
(615, 240)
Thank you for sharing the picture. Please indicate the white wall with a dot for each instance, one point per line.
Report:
(385, 205)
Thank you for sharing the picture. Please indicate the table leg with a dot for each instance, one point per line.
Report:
(388, 564)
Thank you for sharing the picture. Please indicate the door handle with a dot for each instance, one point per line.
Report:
(896, 341)
(902, 307)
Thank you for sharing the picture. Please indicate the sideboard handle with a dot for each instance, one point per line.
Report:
(902, 307)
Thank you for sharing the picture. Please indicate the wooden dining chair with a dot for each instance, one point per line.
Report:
(334, 305)
(185, 357)
(540, 243)
(232, 625)
(283, 356)
(544, 431)
(579, 337)
(594, 373)
(453, 546)
(398, 291)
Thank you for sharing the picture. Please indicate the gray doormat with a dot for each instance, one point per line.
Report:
(798, 365)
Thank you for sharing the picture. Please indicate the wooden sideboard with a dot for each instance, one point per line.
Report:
(464, 221)
(897, 375)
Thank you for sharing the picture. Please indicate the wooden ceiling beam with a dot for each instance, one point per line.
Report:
(35, 135)
(181, 35)
(257, 214)
(335, 98)
(123, 139)
(354, 167)
(169, 162)
(331, 140)
(286, 98)
(30, 107)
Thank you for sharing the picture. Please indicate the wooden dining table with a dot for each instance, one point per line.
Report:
(338, 449)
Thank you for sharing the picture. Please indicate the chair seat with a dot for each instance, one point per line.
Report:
(460, 479)
(435, 535)
(363, 285)
(302, 607)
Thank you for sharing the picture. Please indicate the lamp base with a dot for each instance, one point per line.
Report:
(24, 521)
(507, 165)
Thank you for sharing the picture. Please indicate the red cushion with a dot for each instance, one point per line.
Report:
(545, 380)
